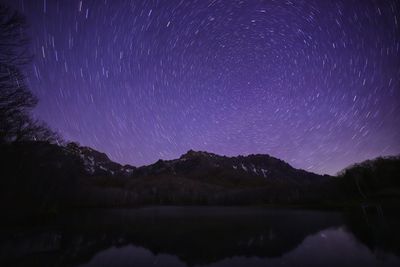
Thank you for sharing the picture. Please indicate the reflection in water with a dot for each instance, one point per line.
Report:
(333, 247)
(202, 236)
(133, 256)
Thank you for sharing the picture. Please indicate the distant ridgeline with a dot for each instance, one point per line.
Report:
(38, 176)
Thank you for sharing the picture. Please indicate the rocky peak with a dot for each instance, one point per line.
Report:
(97, 163)
(197, 154)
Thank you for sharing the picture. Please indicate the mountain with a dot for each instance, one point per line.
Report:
(39, 175)
(43, 176)
(97, 163)
(252, 170)
(247, 171)
(199, 177)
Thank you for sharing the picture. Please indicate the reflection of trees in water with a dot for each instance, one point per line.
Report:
(377, 229)
(193, 236)
(205, 240)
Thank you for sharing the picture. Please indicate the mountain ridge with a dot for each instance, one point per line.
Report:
(39, 175)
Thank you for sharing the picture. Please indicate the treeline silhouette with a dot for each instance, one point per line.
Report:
(16, 100)
(372, 179)
(30, 179)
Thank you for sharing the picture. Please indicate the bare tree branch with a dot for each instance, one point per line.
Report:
(16, 100)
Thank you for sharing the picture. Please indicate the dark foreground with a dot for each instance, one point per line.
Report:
(205, 236)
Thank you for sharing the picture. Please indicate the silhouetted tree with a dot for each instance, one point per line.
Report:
(16, 100)
(372, 178)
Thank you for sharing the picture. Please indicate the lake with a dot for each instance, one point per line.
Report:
(204, 236)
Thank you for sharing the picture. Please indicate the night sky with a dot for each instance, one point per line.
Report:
(315, 83)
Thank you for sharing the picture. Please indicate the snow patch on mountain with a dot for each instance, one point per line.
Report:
(244, 167)
(264, 172)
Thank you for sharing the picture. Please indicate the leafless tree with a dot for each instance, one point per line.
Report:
(16, 100)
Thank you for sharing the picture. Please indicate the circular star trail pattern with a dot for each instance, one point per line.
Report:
(315, 83)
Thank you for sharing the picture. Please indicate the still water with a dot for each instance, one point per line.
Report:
(205, 236)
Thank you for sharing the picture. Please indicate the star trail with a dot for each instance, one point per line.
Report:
(315, 83)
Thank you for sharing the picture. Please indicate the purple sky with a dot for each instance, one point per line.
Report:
(315, 83)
